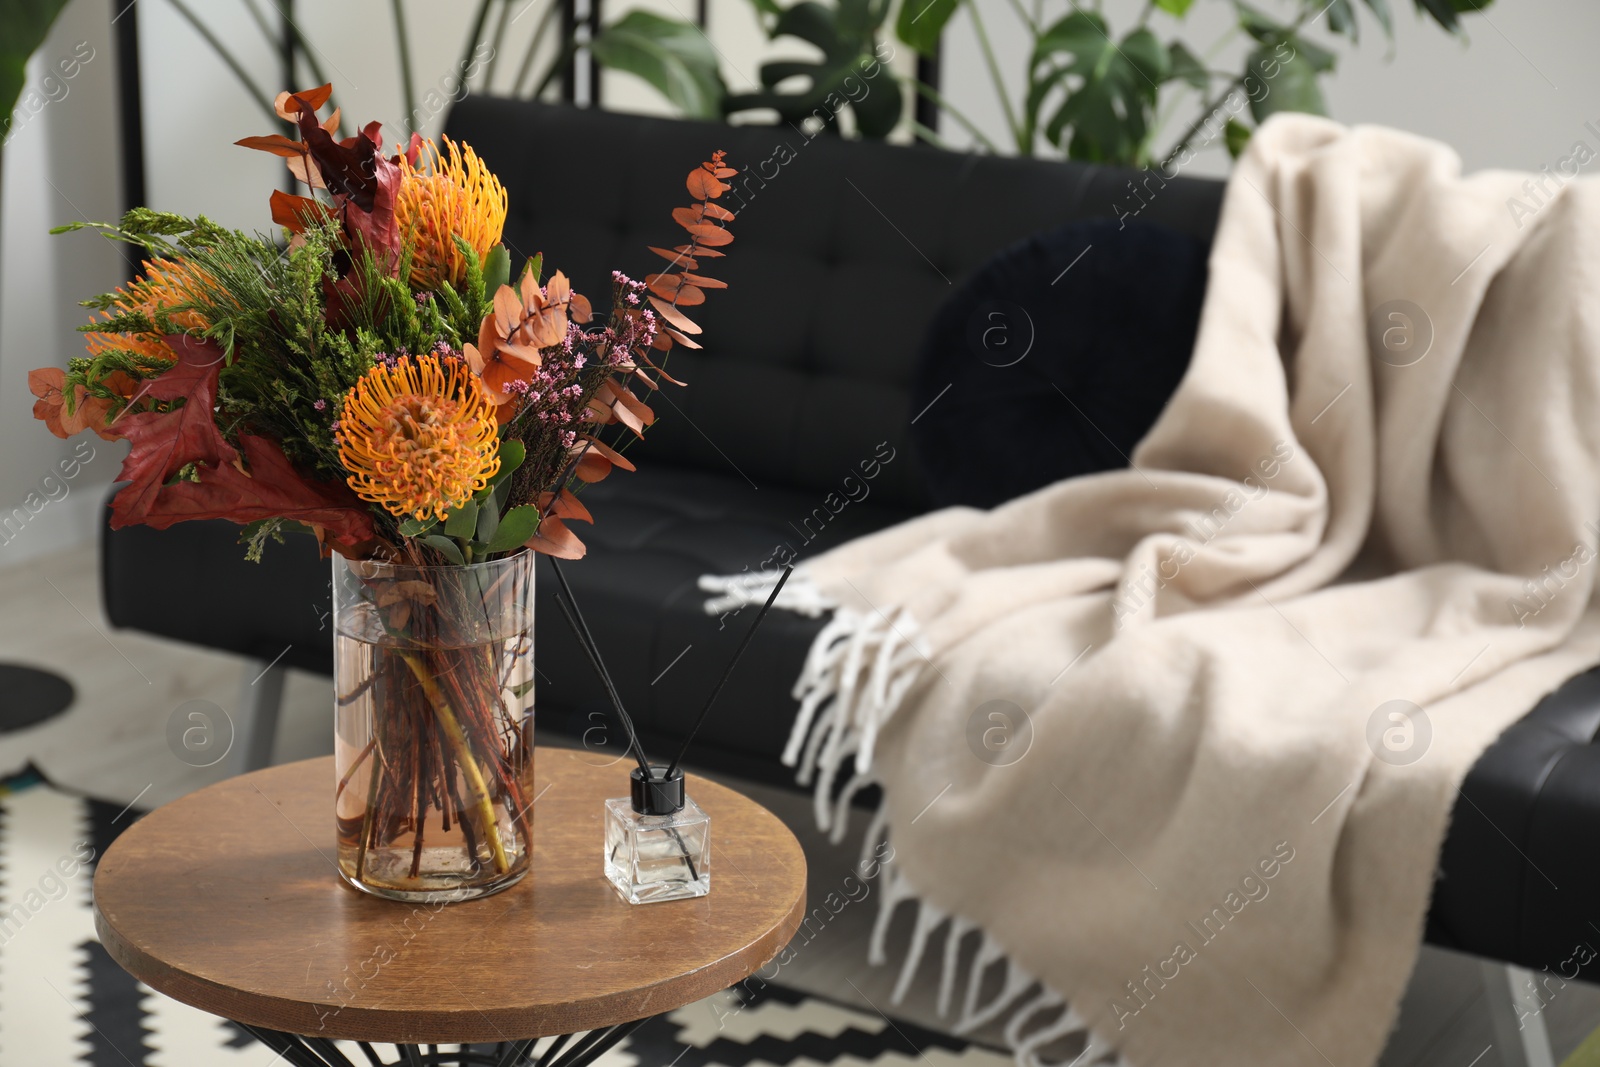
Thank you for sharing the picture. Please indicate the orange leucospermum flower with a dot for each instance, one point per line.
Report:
(447, 194)
(164, 285)
(418, 436)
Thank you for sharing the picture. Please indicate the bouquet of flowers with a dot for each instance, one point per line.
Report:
(385, 381)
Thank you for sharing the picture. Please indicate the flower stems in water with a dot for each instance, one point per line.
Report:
(477, 788)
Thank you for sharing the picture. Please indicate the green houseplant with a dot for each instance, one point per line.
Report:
(1094, 94)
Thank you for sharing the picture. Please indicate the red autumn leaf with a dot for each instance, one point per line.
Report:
(273, 488)
(554, 539)
(364, 182)
(165, 442)
(414, 148)
(704, 283)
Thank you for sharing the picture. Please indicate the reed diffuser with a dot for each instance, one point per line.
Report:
(657, 839)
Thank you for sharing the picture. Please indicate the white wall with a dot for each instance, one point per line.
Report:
(61, 164)
(1517, 97)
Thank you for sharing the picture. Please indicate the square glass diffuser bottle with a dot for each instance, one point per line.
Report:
(651, 857)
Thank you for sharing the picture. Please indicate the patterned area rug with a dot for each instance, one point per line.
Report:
(64, 1002)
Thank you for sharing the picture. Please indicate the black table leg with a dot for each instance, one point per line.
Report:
(585, 1048)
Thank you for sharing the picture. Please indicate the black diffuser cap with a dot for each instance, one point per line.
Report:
(660, 795)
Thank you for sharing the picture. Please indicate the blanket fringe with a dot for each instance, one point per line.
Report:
(735, 591)
(859, 669)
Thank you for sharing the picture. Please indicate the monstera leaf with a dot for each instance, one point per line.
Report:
(1447, 12)
(848, 74)
(922, 22)
(675, 57)
(23, 26)
(1108, 114)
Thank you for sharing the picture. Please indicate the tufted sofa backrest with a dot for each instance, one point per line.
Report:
(843, 251)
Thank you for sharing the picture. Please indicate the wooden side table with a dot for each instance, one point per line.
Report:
(228, 900)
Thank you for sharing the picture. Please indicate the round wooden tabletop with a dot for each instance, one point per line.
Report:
(228, 899)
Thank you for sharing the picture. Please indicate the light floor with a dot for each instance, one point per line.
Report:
(113, 744)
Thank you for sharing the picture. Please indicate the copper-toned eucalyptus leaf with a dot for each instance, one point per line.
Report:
(705, 184)
(689, 217)
(554, 539)
(709, 234)
(680, 258)
(276, 143)
(287, 104)
(297, 212)
(674, 316)
(636, 407)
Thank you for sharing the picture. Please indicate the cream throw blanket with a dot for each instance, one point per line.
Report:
(1200, 852)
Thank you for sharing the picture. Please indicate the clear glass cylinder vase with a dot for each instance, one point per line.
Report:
(433, 719)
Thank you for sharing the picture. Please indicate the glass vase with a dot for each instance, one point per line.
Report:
(433, 720)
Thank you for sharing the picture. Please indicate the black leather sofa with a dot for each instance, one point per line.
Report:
(842, 256)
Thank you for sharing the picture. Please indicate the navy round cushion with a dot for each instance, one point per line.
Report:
(1054, 359)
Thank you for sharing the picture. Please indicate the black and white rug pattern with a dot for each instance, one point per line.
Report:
(64, 1002)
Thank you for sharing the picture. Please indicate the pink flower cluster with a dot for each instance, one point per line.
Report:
(554, 395)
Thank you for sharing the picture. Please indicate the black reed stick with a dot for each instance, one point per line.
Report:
(580, 630)
(712, 699)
